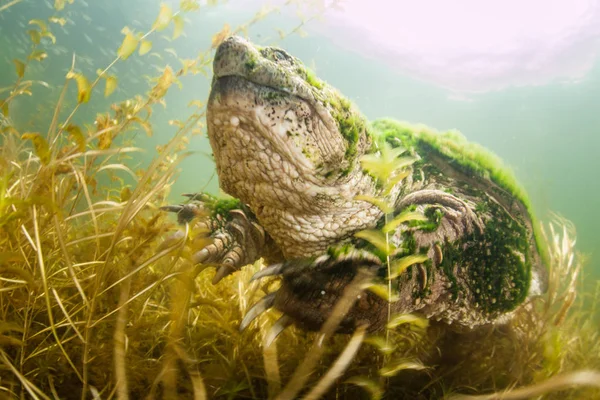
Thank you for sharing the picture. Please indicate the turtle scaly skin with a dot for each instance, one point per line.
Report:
(288, 147)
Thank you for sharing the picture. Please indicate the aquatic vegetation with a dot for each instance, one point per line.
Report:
(94, 302)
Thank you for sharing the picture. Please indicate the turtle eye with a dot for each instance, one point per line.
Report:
(280, 55)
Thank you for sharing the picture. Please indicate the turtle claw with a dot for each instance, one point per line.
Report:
(261, 306)
(280, 325)
(235, 239)
(185, 212)
(175, 208)
(202, 197)
(222, 272)
(171, 240)
(275, 269)
(201, 256)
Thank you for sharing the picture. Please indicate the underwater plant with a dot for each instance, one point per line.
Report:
(94, 303)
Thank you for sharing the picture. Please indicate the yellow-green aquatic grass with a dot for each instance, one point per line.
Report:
(93, 303)
(96, 302)
(5, 6)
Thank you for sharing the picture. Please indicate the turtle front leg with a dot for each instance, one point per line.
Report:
(480, 257)
(237, 238)
(311, 288)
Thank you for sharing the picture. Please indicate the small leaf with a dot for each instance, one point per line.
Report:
(105, 139)
(20, 67)
(177, 123)
(163, 84)
(57, 20)
(145, 47)
(171, 51)
(392, 370)
(377, 239)
(49, 35)
(178, 26)
(60, 4)
(164, 17)
(196, 103)
(188, 65)
(382, 344)
(84, 89)
(374, 388)
(4, 108)
(128, 46)
(37, 55)
(42, 150)
(222, 35)
(23, 88)
(111, 85)
(40, 23)
(384, 169)
(146, 126)
(383, 165)
(125, 194)
(400, 265)
(35, 36)
(402, 218)
(188, 5)
(394, 180)
(382, 204)
(21, 91)
(382, 291)
(411, 319)
(77, 135)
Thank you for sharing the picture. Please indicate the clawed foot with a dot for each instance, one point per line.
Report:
(311, 287)
(236, 240)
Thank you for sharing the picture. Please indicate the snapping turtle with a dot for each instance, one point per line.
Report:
(289, 147)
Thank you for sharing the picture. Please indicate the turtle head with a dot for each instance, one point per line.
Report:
(272, 122)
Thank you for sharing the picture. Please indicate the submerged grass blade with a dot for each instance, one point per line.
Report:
(372, 387)
(41, 264)
(341, 308)
(561, 382)
(33, 391)
(66, 256)
(270, 363)
(339, 366)
(120, 342)
(66, 314)
(401, 365)
(9, 4)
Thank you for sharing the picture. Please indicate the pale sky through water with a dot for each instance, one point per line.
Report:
(474, 45)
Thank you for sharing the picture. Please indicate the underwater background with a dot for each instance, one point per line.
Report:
(523, 80)
(526, 86)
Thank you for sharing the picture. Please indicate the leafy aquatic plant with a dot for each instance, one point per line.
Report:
(94, 303)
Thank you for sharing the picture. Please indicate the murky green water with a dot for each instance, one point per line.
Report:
(549, 133)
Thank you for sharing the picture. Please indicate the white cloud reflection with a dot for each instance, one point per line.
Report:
(473, 45)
